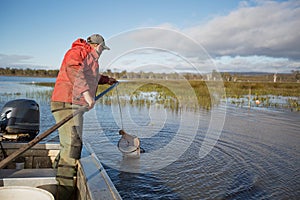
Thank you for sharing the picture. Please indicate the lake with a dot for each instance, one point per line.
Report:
(254, 156)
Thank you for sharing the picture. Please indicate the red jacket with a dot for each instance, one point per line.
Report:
(79, 72)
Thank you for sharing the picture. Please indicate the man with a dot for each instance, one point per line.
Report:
(75, 86)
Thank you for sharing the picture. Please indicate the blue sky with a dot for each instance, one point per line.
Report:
(256, 35)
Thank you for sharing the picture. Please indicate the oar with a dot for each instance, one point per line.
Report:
(41, 136)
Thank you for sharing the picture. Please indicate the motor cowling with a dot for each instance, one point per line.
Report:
(20, 120)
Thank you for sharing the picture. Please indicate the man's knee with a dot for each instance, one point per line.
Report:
(76, 143)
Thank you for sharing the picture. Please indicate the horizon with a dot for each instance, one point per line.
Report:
(112, 71)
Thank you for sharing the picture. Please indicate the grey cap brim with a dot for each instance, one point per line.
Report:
(105, 47)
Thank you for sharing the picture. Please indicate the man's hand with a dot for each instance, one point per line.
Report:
(111, 81)
(89, 99)
(106, 80)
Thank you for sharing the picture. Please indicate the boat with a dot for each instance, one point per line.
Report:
(32, 170)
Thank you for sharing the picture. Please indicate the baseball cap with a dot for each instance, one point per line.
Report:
(97, 39)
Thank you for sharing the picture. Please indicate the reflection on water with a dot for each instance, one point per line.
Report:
(256, 156)
(267, 102)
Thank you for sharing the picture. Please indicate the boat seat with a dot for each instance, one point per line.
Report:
(27, 177)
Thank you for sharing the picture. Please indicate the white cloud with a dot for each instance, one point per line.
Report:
(261, 36)
(255, 64)
(269, 28)
(258, 36)
(7, 60)
(150, 46)
(20, 61)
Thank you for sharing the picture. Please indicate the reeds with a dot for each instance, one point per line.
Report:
(181, 94)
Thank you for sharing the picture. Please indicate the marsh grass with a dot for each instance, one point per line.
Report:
(174, 94)
(42, 96)
(8, 96)
(266, 94)
(234, 89)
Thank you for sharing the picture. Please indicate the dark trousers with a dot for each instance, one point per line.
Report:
(70, 135)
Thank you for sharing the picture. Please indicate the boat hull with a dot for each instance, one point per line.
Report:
(92, 180)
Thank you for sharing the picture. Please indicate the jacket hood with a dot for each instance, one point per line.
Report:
(82, 44)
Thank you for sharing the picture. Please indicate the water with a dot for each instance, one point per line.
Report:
(266, 102)
(12, 87)
(255, 157)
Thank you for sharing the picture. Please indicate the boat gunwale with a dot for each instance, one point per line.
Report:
(100, 185)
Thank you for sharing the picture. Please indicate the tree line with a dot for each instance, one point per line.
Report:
(28, 72)
(294, 76)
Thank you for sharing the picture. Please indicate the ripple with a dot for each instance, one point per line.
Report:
(256, 157)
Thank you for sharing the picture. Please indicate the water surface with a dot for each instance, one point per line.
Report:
(255, 157)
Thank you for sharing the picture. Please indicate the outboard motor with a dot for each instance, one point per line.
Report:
(20, 120)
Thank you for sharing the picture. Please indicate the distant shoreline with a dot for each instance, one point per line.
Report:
(213, 76)
(27, 76)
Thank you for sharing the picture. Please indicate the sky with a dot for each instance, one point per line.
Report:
(155, 35)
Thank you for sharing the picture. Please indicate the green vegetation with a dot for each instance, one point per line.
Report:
(294, 76)
(238, 89)
(177, 91)
(177, 94)
(264, 94)
(28, 72)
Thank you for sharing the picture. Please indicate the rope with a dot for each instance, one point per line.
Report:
(121, 115)
(123, 138)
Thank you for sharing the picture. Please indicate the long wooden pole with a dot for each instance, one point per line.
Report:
(41, 136)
